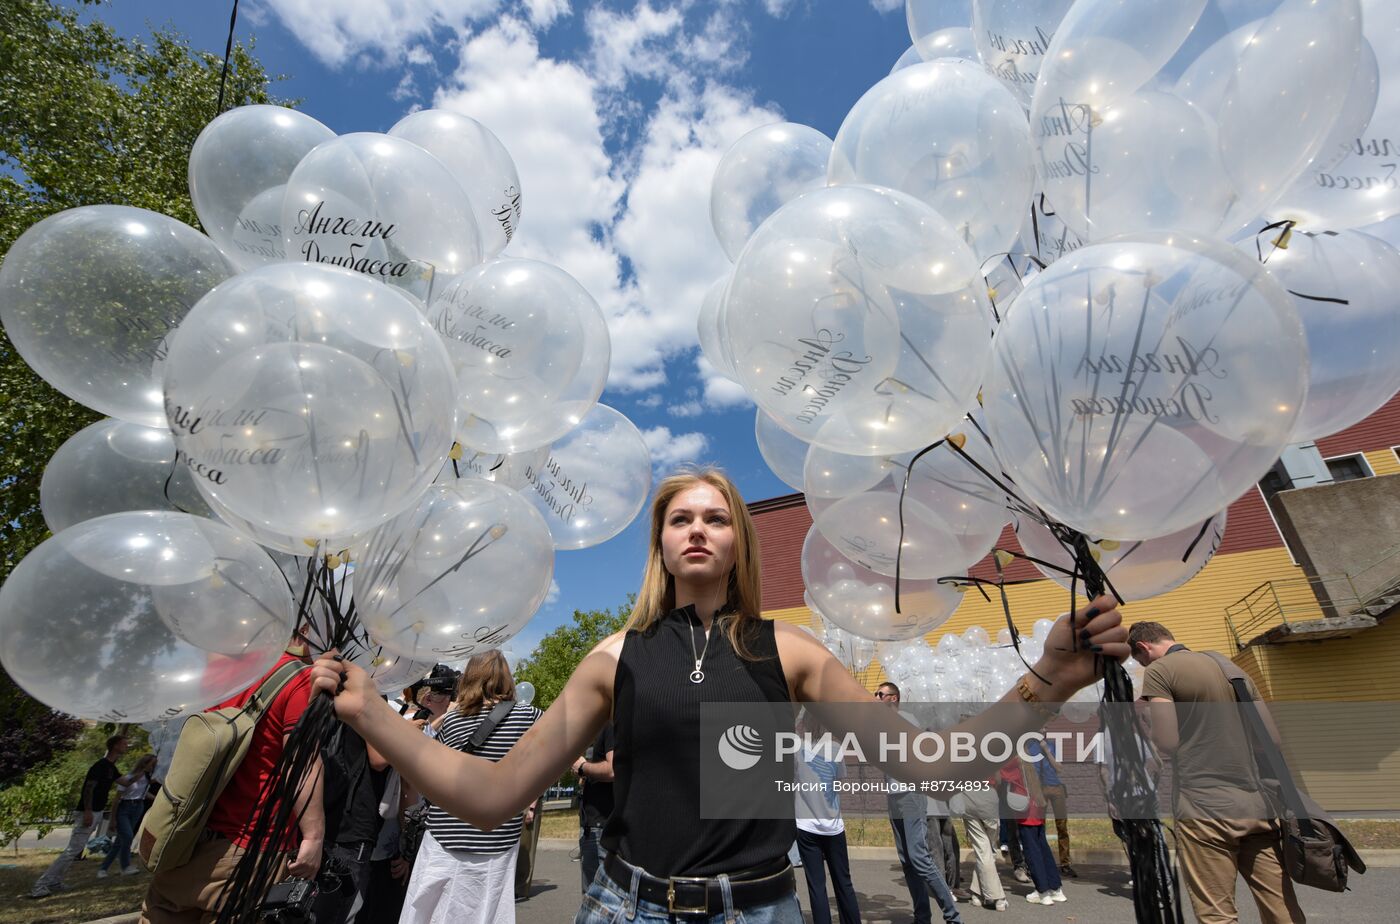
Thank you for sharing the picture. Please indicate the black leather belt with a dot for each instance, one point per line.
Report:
(702, 894)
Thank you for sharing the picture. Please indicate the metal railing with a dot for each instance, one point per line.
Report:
(1288, 601)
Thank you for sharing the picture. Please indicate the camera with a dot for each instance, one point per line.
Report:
(290, 902)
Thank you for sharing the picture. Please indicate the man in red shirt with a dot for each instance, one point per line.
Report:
(189, 894)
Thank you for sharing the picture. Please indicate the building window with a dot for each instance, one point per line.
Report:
(1349, 468)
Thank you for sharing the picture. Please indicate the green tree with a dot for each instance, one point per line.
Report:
(553, 661)
(87, 117)
(50, 791)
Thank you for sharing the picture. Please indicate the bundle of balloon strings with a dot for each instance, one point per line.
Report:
(330, 622)
(1156, 895)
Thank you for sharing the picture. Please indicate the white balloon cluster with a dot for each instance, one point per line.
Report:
(345, 367)
(1154, 367)
(973, 668)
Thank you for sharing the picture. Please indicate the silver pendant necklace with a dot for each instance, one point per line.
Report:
(697, 675)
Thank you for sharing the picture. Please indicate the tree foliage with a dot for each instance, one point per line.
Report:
(553, 661)
(33, 733)
(87, 117)
(49, 792)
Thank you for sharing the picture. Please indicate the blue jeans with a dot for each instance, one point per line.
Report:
(129, 812)
(920, 873)
(1040, 862)
(606, 902)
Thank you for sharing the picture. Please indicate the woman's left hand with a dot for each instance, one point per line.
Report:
(1076, 641)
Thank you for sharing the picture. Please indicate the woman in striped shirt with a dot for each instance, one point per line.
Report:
(463, 874)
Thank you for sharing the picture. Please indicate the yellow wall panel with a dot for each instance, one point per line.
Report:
(1384, 461)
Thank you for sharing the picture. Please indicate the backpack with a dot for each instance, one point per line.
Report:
(211, 747)
(1315, 851)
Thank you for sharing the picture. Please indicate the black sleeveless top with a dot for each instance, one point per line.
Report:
(656, 821)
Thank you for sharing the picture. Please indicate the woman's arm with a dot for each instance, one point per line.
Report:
(817, 678)
(476, 790)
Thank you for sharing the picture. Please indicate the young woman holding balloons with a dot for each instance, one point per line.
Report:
(695, 635)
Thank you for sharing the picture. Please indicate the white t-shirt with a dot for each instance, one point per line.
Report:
(818, 802)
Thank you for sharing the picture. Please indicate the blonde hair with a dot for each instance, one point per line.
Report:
(486, 680)
(743, 596)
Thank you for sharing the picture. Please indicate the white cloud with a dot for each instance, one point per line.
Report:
(543, 13)
(546, 112)
(720, 393)
(665, 231)
(552, 597)
(691, 408)
(780, 8)
(336, 32)
(625, 45)
(669, 450)
(887, 6)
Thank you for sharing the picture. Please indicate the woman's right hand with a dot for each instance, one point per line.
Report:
(348, 683)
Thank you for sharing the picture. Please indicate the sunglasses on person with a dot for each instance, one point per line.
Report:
(882, 695)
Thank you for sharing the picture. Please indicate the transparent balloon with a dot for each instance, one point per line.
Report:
(389, 671)
(111, 466)
(594, 482)
(1045, 235)
(138, 616)
(866, 528)
(381, 206)
(953, 137)
(859, 321)
(952, 42)
(862, 601)
(1012, 37)
(1351, 345)
(478, 161)
(310, 401)
(1353, 183)
(763, 170)
(910, 57)
(785, 454)
(710, 325)
(239, 167)
(1188, 116)
(1137, 569)
(512, 469)
(951, 481)
(829, 476)
(460, 573)
(1142, 385)
(90, 296)
(525, 692)
(530, 348)
(926, 18)
(347, 546)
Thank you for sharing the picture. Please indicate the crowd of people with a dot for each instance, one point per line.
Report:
(418, 805)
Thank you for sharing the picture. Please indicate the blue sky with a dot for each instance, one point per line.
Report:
(616, 114)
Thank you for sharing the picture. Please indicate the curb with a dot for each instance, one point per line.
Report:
(131, 918)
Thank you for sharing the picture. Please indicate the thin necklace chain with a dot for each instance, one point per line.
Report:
(697, 675)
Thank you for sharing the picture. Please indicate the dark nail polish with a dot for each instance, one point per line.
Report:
(1096, 649)
(1084, 636)
(1090, 613)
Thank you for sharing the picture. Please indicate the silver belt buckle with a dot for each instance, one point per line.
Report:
(671, 905)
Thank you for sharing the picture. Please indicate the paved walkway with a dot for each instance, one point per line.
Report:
(1099, 896)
